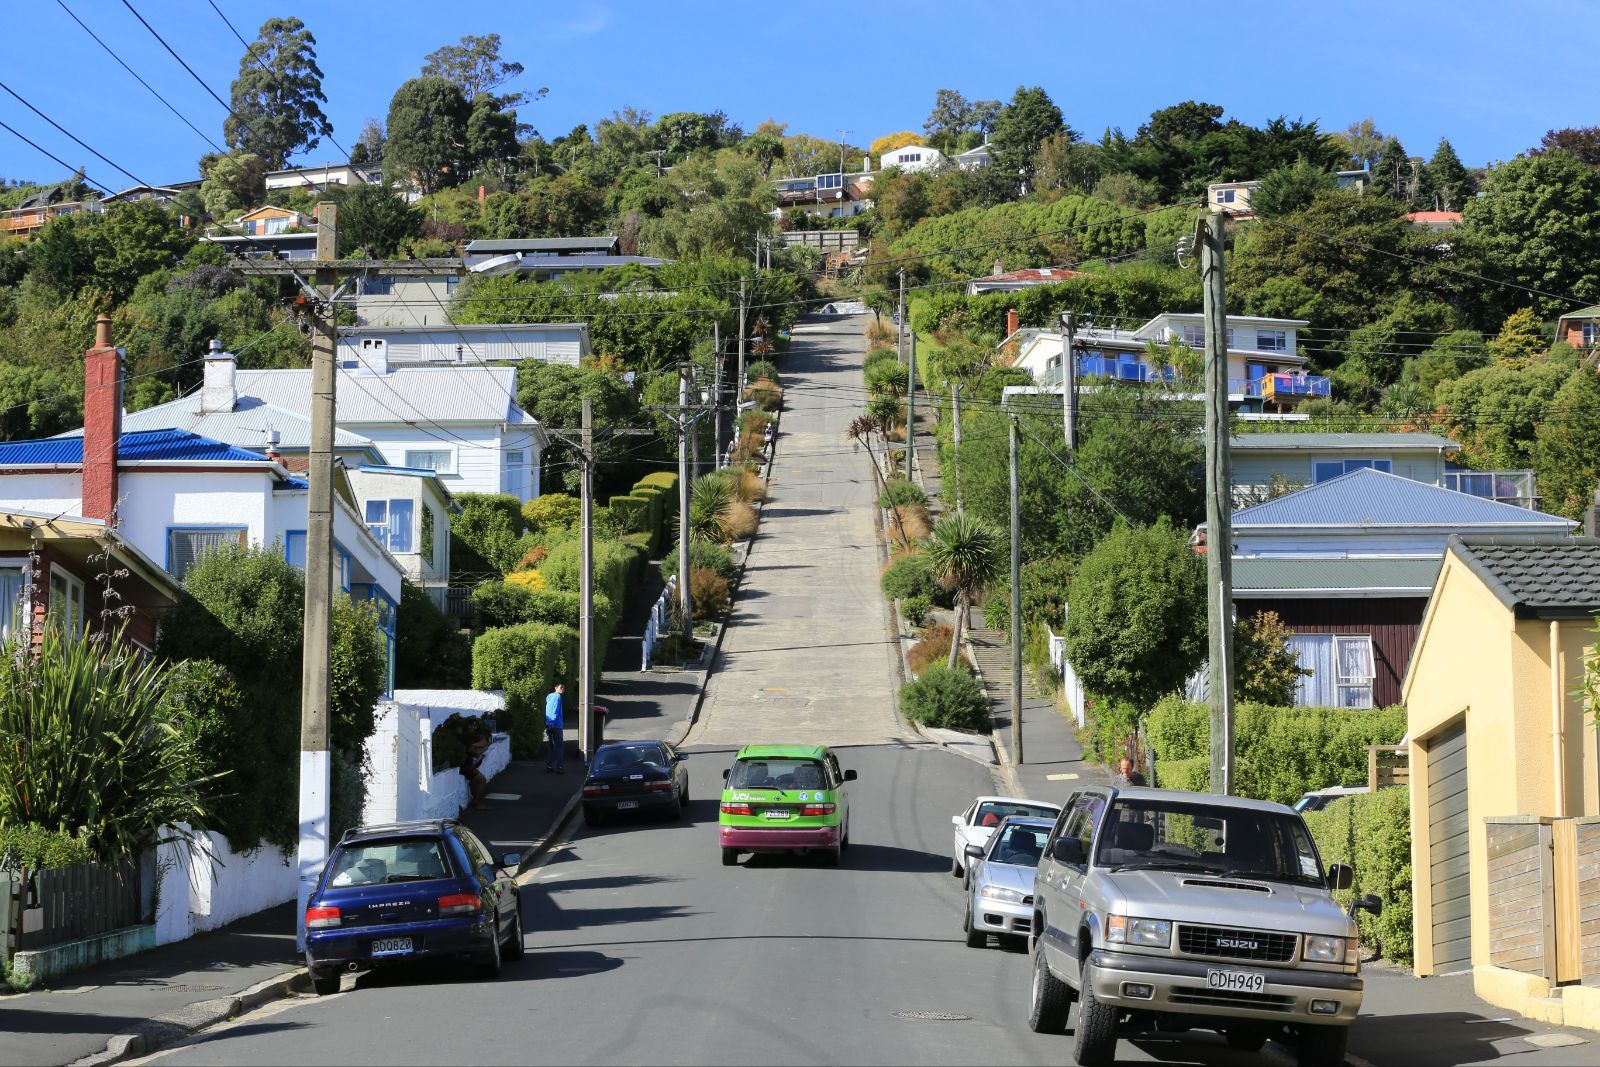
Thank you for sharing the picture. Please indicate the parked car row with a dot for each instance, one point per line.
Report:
(1161, 910)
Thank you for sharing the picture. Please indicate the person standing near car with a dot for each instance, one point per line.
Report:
(555, 718)
(1127, 775)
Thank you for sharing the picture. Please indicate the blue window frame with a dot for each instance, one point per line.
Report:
(294, 548)
(388, 613)
(391, 523)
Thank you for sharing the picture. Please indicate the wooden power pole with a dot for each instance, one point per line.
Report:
(1219, 506)
(1069, 382)
(586, 589)
(738, 381)
(1016, 598)
(685, 602)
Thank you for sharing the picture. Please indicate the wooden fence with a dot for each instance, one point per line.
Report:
(72, 903)
(1388, 765)
(1521, 896)
(1588, 896)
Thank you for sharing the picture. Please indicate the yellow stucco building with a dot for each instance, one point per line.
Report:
(1505, 775)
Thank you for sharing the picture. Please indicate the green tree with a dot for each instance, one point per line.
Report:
(1446, 185)
(1569, 446)
(1136, 615)
(556, 393)
(474, 64)
(966, 554)
(491, 133)
(369, 144)
(1520, 341)
(1494, 412)
(232, 183)
(1393, 175)
(1536, 222)
(1362, 143)
(375, 222)
(1265, 669)
(1580, 142)
(950, 118)
(277, 97)
(1021, 128)
(1188, 121)
(135, 240)
(430, 652)
(1289, 189)
(1063, 162)
(428, 132)
(765, 148)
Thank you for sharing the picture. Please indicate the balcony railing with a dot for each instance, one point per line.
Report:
(1283, 386)
(1517, 488)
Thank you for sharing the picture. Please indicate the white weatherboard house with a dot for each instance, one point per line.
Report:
(461, 422)
(376, 348)
(912, 158)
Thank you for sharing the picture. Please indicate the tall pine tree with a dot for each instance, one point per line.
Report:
(1446, 184)
(1393, 176)
(277, 96)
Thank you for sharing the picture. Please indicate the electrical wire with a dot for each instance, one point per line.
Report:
(81, 144)
(69, 168)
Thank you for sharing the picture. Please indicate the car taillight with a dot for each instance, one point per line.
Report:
(658, 787)
(321, 918)
(460, 904)
(598, 789)
(817, 809)
(736, 809)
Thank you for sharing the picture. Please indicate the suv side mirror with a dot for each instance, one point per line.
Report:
(1369, 902)
(974, 852)
(725, 772)
(1341, 876)
(1068, 850)
(850, 776)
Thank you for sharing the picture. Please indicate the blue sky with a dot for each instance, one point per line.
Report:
(1490, 78)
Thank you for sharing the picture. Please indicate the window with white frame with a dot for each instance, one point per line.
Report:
(1327, 469)
(830, 181)
(1341, 670)
(186, 546)
(66, 601)
(1194, 335)
(516, 472)
(1591, 334)
(438, 460)
(13, 587)
(1272, 340)
(391, 522)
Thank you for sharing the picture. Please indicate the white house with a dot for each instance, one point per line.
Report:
(1233, 198)
(408, 510)
(316, 179)
(913, 158)
(973, 158)
(460, 421)
(377, 348)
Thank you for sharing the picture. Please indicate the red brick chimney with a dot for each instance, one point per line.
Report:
(102, 422)
(1011, 321)
(483, 194)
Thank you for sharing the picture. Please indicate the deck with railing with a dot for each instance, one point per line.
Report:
(1518, 488)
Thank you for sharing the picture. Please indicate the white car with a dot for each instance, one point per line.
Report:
(975, 825)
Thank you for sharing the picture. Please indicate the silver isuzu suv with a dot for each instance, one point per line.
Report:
(1159, 910)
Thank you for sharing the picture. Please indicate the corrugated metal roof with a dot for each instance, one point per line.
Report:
(1548, 576)
(1372, 498)
(245, 426)
(542, 244)
(177, 446)
(1255, 574)
(1332, 441)
(404, 395)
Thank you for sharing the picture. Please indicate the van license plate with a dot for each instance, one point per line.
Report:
(776, 813)
(1236, 981)
(392, 946)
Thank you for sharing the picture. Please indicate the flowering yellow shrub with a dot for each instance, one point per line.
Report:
(531, 580)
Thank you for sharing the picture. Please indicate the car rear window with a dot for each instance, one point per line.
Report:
(368, 863)
(777, 773)
(990, 812)
(617, 759)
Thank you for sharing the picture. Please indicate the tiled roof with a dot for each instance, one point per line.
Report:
(1033, 274)
(1279, 441)
(1373, 498)
(169, 445)
(404, 395)
(245, 426)
(1543, 577)
(1400, 576)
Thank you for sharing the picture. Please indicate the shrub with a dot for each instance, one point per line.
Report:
(933, 648)
(448, 751)
(709, 592)
(909, 525)
(890, 379)
(525, 661)
(1279, 753)
(1108, 725)
(39, 849)
(916, 609)
(1372, 833)
(880, 332)
(702, 554)
(531, 580)
(739, 521)
(755, 422)
(879, 355)
(709, 498)
(531, 559)
(948, 699)
(900, 492)
(430, 651)
(767, 394)
(759, 369)
(502, 603)
(484, 535)
(751, 486)
(632, 513)
(909, 574)
(1193, 774)
(552, 511)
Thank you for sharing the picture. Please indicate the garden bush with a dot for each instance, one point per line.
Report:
(531, 580)
(890, 379)
(767, 394)
(932, 649)
(1372, 833)
(501, 603)
(1279, 753)
(430, 651)
(751, 486)
(879, 355)
(760, 369)
(552, 511)
(710, 593)
(525, 661)
(899, 492)
(755, 422)
(1106, 729)
(632, 513)
(907, 575)
(916, 609)
(39, 849)
(880, 332)
(701, 554)
(484, 535)
(948, 699)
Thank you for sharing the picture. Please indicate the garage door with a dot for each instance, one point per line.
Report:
(1448, 848)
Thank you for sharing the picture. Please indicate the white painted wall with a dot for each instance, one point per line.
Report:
(52, 494)
(478, 452)
(371, 485)
(211, 886)
(401, 784)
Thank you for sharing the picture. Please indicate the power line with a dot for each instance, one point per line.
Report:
(140, 80)
(180, 59)
(46, 152)
(114, 166)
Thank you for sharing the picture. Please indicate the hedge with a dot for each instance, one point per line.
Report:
(485, 535)
(525, 661)
(1280, 753)
(878, 355)
(1372, 833)
(39, 849)
(633, 512)
(946, 698)
(899, 492)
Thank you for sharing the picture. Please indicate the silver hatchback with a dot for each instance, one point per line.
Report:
(1000, 889)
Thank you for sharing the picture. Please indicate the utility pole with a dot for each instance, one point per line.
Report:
(911, 405)
(1016, 598)
(1211, 233)
(738, 381)
(586, 590)
(955, 425)
(716, 385)
(316, 678)
(694, 438)
(685, 605)
(900, 321)
(1069, 382)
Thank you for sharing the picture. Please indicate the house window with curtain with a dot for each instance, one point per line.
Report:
(66, 601)
(390, 522)
(186, 546)
(1272, 341)
(438, 460)
(13, 585)
(1591, 334)
(516, 471)
(294, 549)
(1341, 667)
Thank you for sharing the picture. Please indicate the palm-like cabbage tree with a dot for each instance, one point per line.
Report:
(966, 554)
(861, 430)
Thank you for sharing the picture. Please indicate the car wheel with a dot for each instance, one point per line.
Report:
(730, 857)
(976, 938)
(966, 877)
(957, 867)
(1094, 1039)
(676, 811)
(490, 966)
(1245, 1040)
(1322, 1046)
(830, 856)
(515, 949)
(325, 986)
(591, 817)
(683, 797)
(1049, 1000)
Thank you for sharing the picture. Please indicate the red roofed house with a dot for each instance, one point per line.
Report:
(1437, 221)
(1580, 329)
(1014, 280)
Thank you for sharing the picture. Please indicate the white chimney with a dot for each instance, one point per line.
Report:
(217, 391)
(999, 267)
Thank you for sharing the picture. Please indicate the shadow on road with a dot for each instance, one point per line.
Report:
(537, 965)
(1436, 1037)
(862, 857)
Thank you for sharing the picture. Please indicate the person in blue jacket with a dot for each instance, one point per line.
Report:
(555, 718)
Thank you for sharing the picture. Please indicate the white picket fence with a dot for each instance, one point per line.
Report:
(1071, 687)
(660, 617)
